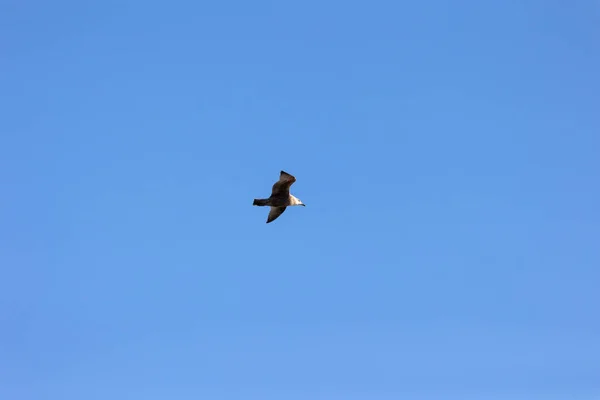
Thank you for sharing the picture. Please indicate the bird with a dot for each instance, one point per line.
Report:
(280, 197)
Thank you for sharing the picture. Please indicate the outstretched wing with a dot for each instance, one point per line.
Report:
(274, 213)
(281, 188)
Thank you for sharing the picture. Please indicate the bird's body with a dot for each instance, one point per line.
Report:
(280, 197)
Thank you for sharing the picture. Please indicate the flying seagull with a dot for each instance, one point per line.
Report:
(280, 197)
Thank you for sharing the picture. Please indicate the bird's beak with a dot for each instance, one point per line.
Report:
(303, 205)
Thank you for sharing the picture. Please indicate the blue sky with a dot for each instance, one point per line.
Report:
(447, 153)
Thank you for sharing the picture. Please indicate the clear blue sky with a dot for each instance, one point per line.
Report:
(447, 152)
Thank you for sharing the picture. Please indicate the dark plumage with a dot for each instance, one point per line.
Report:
(280, 197)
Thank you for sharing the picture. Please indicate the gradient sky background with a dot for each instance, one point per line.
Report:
(447, 152)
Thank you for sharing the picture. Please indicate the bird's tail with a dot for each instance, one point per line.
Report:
(260, 202)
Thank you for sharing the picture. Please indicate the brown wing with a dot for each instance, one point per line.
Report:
(274, 213)
(282, 186)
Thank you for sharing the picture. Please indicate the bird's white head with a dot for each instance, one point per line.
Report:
(294, 201)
